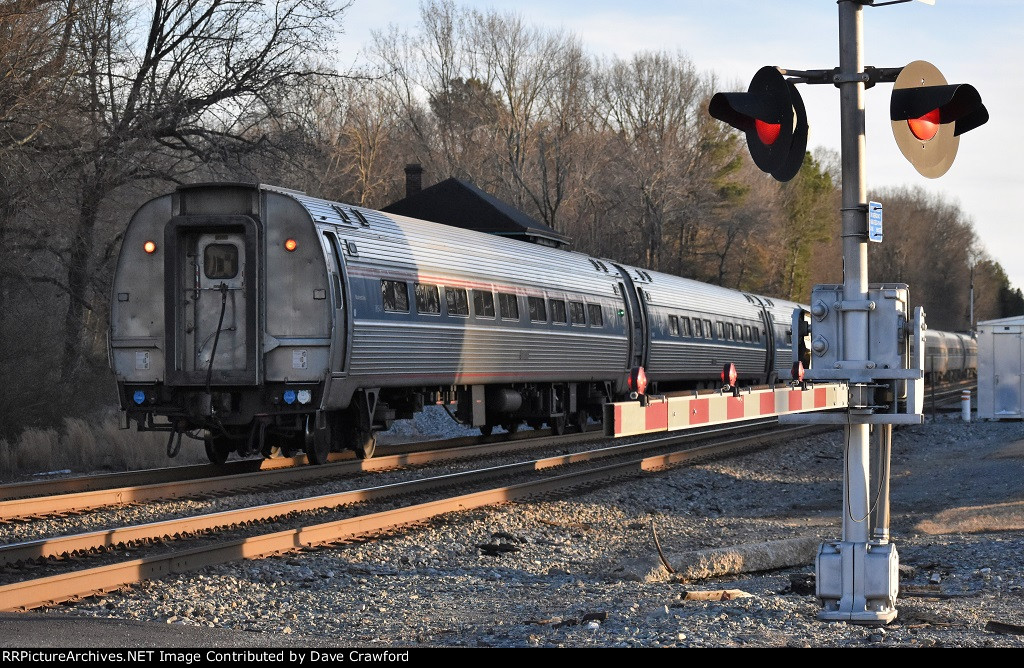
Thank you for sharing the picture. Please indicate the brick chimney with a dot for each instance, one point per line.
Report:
(413, 179)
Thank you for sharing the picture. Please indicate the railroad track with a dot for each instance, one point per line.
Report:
(38, 500)
(20, 502)
(81, 582)
(168, 474)
(947, 397)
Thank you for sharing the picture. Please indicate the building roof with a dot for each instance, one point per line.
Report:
(1011, 320)
(461, 204)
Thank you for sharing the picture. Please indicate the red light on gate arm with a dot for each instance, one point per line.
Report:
(729, 375)
(637, 380)
(149, 247)
(925, 127)
(767, 132)
(290, 245)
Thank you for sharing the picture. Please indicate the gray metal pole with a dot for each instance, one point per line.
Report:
(856, 527)
(857, 576)
(884, 455)
(970, 326)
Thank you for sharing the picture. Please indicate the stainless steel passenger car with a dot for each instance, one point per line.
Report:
(950, 356)
(261, 318)
(247, 311)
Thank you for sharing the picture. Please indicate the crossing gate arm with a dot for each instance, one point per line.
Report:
(673, 413)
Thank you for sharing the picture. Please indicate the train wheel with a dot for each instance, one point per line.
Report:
(534, 424)
(217, 449)
(486, 429)
(317, 442)
(557, 425)
(510, 427)
(364, 444)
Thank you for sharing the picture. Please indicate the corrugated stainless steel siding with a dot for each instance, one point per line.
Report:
(678, 293)
(669, 359)
(398, 243)
(392, 351)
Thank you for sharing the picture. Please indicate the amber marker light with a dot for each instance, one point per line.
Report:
(290, 245)
(149, 247)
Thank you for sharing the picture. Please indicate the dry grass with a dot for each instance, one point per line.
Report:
(84, 445)
(975, 519)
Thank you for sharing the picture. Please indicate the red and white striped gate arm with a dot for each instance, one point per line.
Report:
(672, 413)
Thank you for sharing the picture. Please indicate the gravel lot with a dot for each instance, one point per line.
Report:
(583, 571)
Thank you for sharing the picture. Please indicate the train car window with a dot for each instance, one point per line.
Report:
(673, 325)
(396, 295)
(757, 335)
(577, 313)
(483, 303)
(538, 313)
(509, 306)
(458, 302)
(746, 333)
(596, 315)
(789, 337)
(684, 327)
(708, 332)
(427, 298)
(558, 312)
(220, 261)
(721, 330)
(332, 241)
(730, 330)
(698, 330)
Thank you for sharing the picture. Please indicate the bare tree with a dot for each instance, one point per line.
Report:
(34, 68)
(359, 128)
(653, 104)
(429, 77)
(169, 87)
(35, 73)
(929, 244)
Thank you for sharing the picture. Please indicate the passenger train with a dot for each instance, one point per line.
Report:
(257, 318)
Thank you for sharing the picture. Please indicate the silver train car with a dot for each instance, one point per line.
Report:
(950, 356)
(259, 318)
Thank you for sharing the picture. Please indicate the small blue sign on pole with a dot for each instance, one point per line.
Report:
(874, 221)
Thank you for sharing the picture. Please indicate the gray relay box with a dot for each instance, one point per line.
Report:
(890, 332)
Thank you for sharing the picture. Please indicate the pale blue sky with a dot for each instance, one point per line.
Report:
(980, 42)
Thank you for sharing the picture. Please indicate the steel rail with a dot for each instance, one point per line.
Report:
(89, 483)
(15, 509)
(57, 588)
(105, 539)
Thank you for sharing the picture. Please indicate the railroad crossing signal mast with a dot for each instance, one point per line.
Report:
(859, 333)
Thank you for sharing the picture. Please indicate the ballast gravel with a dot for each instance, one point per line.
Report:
(576, 571)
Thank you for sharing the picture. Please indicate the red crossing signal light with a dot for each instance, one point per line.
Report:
(928, 116)
(771, 114)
